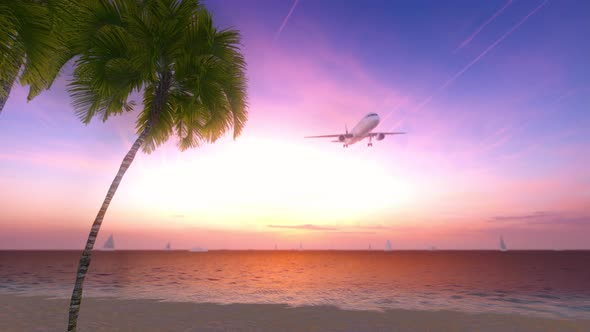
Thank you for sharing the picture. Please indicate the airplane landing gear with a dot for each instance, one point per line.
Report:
(345, 145)
(370, 144)
(370, 141)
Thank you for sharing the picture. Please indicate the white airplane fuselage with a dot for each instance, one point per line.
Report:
(362, 129)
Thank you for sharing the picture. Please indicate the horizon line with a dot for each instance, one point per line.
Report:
(297, 249)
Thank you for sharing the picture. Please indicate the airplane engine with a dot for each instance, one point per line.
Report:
(380, 137)
(341, 138)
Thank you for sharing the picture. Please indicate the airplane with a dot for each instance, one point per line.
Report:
(361, 131)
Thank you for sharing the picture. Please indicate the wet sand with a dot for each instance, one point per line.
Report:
(34, 313)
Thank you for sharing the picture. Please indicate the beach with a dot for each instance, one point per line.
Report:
(36, 313)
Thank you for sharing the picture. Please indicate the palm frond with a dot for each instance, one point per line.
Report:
(192, 74)
(24, 40)
(65, 16)
(106, 73)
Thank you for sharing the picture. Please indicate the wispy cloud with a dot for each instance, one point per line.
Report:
(480, 56)
(565, 220)
(478, 30)
(305, 227)
(308, 82)
(539, 218)
(535, 215)
(286, 19)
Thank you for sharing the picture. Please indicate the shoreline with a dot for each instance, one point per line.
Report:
(40, 313)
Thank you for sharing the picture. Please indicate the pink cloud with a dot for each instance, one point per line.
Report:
(294, 82)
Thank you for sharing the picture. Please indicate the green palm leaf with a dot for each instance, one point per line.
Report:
(34, 42)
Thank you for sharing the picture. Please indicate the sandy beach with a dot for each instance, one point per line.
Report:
(34, 313)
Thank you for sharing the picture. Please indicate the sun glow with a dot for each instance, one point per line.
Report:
(257, 182)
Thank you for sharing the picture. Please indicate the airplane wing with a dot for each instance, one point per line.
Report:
(322, 136)
(386, 133)
(328, 136)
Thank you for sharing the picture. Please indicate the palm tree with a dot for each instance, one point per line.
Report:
(191, 75)
(34, 43)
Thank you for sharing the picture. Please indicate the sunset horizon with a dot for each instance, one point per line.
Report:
(294, 165)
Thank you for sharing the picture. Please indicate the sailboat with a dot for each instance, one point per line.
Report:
(168, 246)
(300, 246)
(388, 246)
(502, 244)
(109, 244)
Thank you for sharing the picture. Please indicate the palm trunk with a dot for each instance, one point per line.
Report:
(86, 254)
(161, 93)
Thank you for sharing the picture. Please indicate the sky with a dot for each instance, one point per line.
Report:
(493, 96)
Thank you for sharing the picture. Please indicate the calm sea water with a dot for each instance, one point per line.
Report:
(554, 284)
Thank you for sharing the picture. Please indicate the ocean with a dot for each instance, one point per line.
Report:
(552, 284)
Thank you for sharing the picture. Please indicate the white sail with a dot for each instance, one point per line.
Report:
(168, 245)
(502, 244)
(300, 245)
(109, 243)
(388, 246)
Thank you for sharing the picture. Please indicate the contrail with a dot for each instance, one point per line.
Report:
(479, 57)
(468, 40)
(474, 61)
(286, 19)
